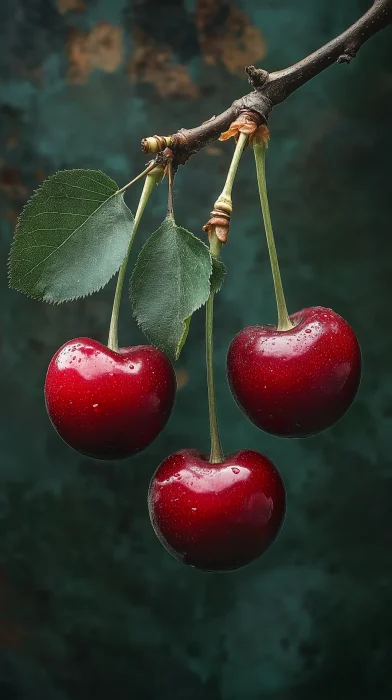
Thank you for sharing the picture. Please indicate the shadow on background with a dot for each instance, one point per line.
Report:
(91, 606)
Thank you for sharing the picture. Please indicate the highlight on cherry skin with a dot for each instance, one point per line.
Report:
(298, 382)
(106, 404)
(216, 517)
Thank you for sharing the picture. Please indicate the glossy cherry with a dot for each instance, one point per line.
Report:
(298, 382)
(216, 517)
(105, 404)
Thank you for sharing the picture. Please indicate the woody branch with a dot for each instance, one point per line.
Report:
(270, 89)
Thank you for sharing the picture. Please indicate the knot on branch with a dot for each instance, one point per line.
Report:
(346, 57)
(257, 77)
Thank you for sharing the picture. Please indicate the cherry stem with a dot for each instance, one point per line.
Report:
(241, 143)
(216, 455)
(151, 180)
(284, 323)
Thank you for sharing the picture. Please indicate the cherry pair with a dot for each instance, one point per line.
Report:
(291, 383)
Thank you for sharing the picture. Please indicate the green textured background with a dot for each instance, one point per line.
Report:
(91, 606)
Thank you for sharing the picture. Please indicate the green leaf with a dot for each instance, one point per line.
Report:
(218, 274)
(185, 335)
(171, 279)
(71, 237)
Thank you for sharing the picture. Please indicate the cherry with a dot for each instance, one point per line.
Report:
(216, 517)
(296, 382)
(106, 404)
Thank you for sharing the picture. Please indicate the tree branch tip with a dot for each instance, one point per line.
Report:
(271, 89)
(257, 77)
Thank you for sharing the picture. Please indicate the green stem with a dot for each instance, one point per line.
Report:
(241, 143)
(151, 180)
(284, 323)
(216, 455)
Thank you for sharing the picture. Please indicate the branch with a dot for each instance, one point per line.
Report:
(271, 89)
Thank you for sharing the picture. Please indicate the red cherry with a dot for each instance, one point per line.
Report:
(105, 404)
(216, 517)
(298, 382)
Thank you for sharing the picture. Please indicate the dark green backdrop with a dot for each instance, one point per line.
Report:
(91, 606)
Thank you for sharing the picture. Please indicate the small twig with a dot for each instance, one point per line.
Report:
(147, 170)
(271, 89)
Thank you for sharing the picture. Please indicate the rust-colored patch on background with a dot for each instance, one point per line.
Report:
(235, 42)
(213, 150)
(11, 140)
(11, 633)
(102, 48)
(40, 175)
(10, 183)
(64, 6)
(154, 64)
(12, 216)
(182, 377)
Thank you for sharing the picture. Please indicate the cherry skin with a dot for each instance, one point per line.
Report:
(298, 382)
(105, 404)
(216, 517)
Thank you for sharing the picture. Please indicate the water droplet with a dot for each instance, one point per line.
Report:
(70, 403)
(95, 406)
(235, 470)
(194, 508)
(308, 330)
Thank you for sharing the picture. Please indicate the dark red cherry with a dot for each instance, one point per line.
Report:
(298, 382)
(216, 517)
(105, 404)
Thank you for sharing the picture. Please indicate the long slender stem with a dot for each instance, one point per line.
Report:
(216, 455)
(147, 170)
(149, 184)
(284, 323)
(241, 143)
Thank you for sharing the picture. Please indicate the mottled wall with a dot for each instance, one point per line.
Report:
(91, 606)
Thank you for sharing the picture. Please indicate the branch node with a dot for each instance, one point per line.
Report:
(346, 57)
(246, 123)
(257, 77)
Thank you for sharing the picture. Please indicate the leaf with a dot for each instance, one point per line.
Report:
(187, 324)
(71, 237)
(218, 274)
(171, 280)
